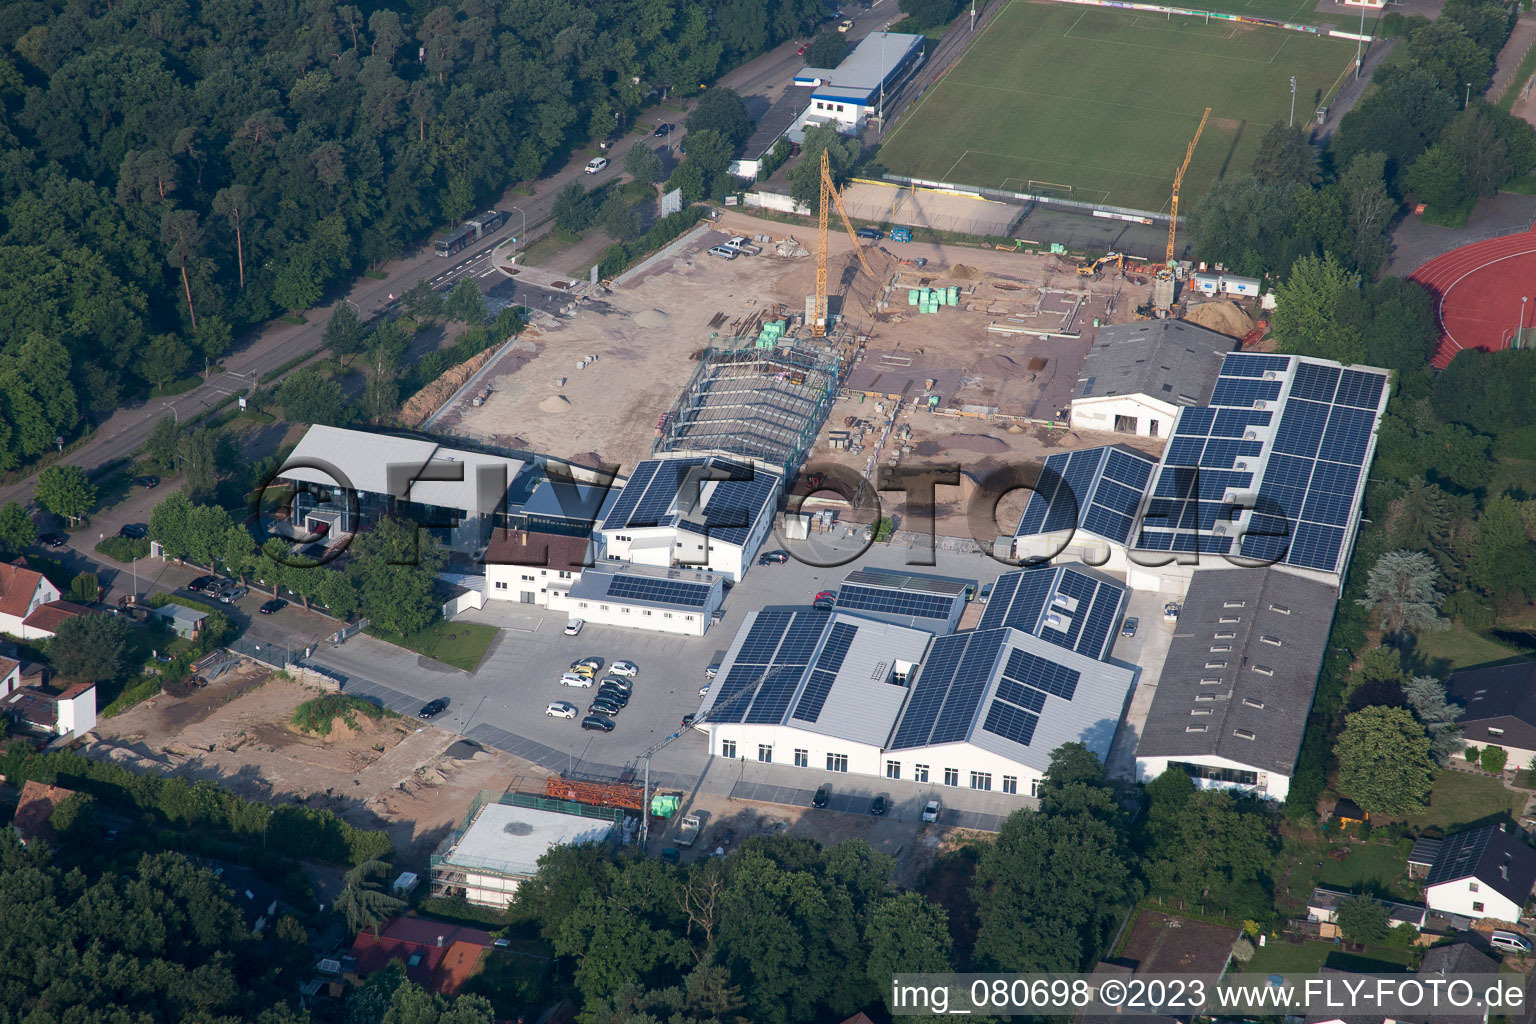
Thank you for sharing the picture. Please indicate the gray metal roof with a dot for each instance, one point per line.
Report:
(874, 60)
(1171, 360)
(1241, 669)
(777, 120)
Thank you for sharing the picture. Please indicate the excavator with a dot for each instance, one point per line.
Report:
(1094, 268)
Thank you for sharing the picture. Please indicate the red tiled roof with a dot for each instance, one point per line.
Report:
(36, 806)
(7, 666)
(49, 616)
(74, 690)
(534, 548)
(439, 968)
(17, 585)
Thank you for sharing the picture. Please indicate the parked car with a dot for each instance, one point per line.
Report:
(622, 685)
(1509, 942)
(149, 483)
(710, 670)
(197, 586)
(603, 707)
(878, 806)
(704, 689)
(595, 664)
(931, 812)
(822, 796)
(773, 558)
(583, 670)
(845, 25)
(872, 233)
(55, 540)
(277, 604)
(573, 628)
(725, 252)
(688, 721)
(572, 679)
(561, 709)
(614, 694)
(133, 531)
(663, 130)
(986, 593)
(601, 723)
(433, 708)
(596, 164)
(627, 669)
(824, 600)
(1129, 628)
(800, 52)
(232, 595)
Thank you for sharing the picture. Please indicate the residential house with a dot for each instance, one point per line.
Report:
(45, 619)
(1498, 708)
(37, 805)
(438, 956)
(1484, 872)
(22, 592)
(530, 565)
(69, 712)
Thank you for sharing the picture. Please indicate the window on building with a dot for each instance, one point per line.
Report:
(1233, 604)
(1221, 649)
(1011, 784)
(951, 776)
(1473, 887)
(1243, 734)
(728, 749)
(919, 773)
(1477, 908)
(981, 780)
(565, 575)
(765, 753)
(500, 585)
(1280, 608)
(802, 758)
(837, 762)
(1236, 776)
(1264, 670)
(893, 769)
(1494, 730)
(1034, 787)
(1273, 641)
(527, 578)
(1229, 635)
(1215, 664)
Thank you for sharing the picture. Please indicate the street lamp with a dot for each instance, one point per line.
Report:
(1359, 43)
(1520, 334)
(1293, 101)
(883, 34)
(1468, 100)
(174, 418)
(522, 230)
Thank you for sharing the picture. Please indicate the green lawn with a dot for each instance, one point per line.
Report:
(1369, 865)
(1100, 105)
(460, 644)
(1460, 798)
(1458, 647)
(1283, 958)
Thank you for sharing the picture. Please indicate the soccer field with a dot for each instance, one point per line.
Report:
(1099, 105)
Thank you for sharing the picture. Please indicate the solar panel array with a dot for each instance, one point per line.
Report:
(819, 685)
(770, 665)
(1084, 607)
(1305, 468)
(649, 496)
(1020, 698)
(685, 593)
(1095, 489)
(893, 594)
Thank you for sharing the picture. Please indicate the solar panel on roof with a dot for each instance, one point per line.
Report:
(1130, 470)
(929, 691)
(1244, 391)
(1315, 382)
(930, 584)
(1247, 364)
(897, 602)
(1194, 421)
(1018, 598)
(649, 588)
(1010, 722)
(1046, 676)
(964, 698)
(819, 685)
(1361, 390)
(774, 693)
(630, 495)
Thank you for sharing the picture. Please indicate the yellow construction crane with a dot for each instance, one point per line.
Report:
(1178, 180)
(829, 192)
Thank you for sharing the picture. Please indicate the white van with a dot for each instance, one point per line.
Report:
(596, 164)
(1509, 942)
(725, 252)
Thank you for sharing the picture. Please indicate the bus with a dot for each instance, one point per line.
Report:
(454, 241)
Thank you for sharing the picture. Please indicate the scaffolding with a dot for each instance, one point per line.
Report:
(759, 404)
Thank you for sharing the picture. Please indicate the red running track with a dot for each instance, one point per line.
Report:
(1477, 291)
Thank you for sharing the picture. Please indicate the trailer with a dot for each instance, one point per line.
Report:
(687, 830)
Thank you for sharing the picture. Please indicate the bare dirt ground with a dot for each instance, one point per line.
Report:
(550, 396)
(392, 773)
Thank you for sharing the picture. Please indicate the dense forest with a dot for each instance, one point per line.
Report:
(173, 173)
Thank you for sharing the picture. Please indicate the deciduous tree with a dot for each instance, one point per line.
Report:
(1383, 761)
(65, 491)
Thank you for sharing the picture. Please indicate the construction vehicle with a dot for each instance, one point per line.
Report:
(1178, 181)
(829, 192)
(1094, 268)
(901, 234)
(687, 830)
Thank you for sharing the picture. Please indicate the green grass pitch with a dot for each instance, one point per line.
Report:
(1105, 101)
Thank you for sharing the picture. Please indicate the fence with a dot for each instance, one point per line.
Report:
(1483, 236)
(1099, 209)
(272, 655)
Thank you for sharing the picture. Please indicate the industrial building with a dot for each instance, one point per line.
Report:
(498, 846)
(528, 566)
(839, 691)
(1271, 470)
(1138, 376)
(920, 600)
(657, 598)
(850, 93)
(703, 513)
(1237, 683)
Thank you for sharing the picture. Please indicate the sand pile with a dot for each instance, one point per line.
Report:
(964, 272)
(555, 403)
(1223, 316)
(652, 318)
(998, 366)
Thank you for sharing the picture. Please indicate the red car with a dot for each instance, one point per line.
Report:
(825, 600)
(801, 51)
